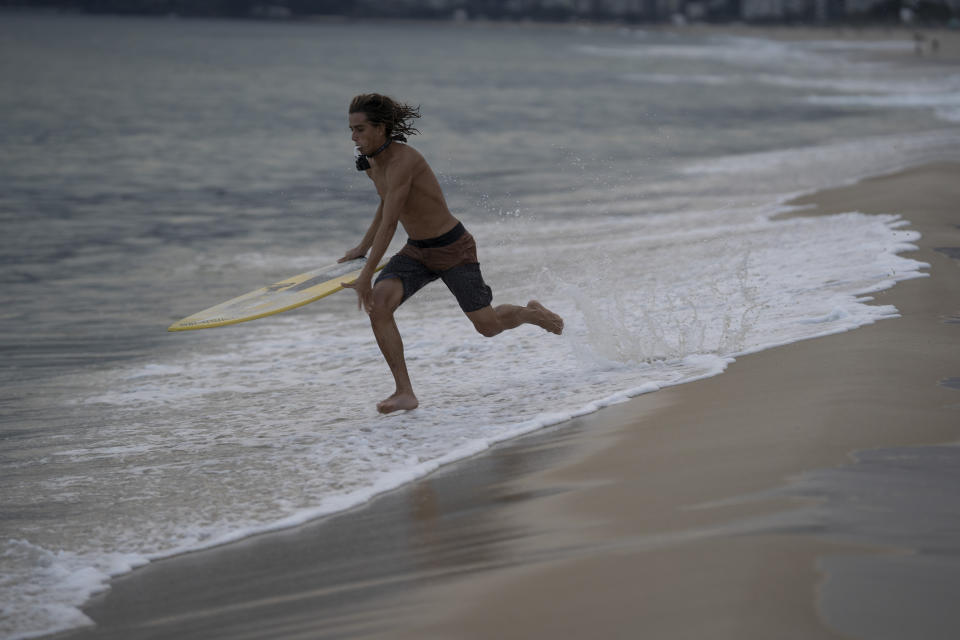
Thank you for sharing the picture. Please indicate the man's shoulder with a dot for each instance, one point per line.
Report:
(408, 153)
(407, 160)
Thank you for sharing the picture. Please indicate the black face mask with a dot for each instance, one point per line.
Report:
(363, 162)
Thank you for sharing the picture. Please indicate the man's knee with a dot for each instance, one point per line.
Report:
(386, 297)
(486, 321)
(380, 312)
(488, 329)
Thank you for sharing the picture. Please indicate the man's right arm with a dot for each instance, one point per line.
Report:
(361, 249)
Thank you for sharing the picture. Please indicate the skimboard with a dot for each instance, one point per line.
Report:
(280, 296)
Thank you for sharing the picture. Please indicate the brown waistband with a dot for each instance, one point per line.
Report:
(440, 241)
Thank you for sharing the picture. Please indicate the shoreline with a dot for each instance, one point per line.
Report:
(551, 531)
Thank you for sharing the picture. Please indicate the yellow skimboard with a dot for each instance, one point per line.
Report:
(275, 298)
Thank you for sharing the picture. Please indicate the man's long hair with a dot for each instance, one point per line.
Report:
(396, 117)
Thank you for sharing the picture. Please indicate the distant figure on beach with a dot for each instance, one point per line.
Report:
(438, 245)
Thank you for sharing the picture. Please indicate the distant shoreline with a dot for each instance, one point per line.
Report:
(931, 42)
(854, 23)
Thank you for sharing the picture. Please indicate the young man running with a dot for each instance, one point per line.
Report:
(438, 245)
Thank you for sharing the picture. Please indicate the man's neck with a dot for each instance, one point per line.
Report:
(383, 147)
(383, 153)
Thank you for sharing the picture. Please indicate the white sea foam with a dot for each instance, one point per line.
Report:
(940, 95)
(741, 52)
(854, 45)
(59, 579)
(681, 79)
(945, 105)
(802, 168)
(879, 84)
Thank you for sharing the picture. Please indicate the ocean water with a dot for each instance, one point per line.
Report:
(630, 180)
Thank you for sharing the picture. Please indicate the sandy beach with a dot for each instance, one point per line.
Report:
(807, 492)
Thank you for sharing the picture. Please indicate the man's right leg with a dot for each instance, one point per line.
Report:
(387, 296)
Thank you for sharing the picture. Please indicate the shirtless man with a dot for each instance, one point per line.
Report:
(438, 245)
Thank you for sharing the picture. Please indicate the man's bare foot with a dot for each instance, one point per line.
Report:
(398, 402)
(546, 318)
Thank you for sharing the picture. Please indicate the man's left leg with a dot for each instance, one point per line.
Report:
(466, 283)
(489, 321)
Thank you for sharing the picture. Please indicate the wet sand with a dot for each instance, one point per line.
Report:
(804, 494)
